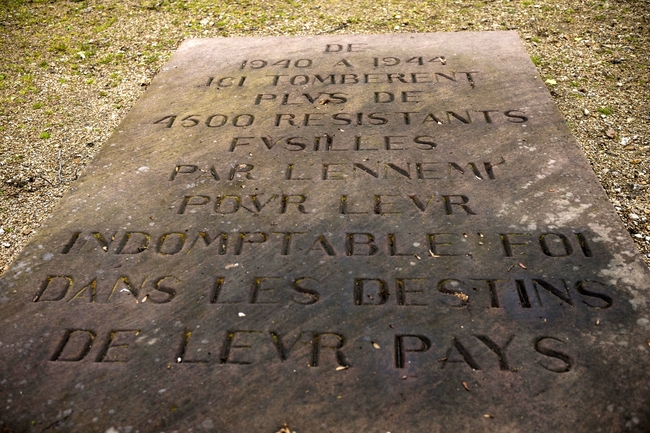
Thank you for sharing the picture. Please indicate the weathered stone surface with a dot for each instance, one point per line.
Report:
(341, 233)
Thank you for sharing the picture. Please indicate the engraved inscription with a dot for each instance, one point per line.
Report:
(331, 220)
(83, 344)
(427, 246)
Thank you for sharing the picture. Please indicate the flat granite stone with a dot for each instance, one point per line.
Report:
(368, 233)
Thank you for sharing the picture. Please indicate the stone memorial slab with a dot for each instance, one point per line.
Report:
(370, 233)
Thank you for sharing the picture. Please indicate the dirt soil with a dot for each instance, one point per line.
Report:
(71, 70)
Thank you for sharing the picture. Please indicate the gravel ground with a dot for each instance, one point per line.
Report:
(70, 71)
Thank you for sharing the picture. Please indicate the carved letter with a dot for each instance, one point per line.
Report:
(464, 353)
(183, 169)
(180, 356)
(566, 359)
(499, 351)
(312, 294)
(580, 287)
(107, 352)
(360, 296)
(174, 246)
(351, 241)
(228, 346)
(463, 203)
(318, 343)
(60, 288)
(283, 351)
(162, 286)
(401, 350)
(192, 200)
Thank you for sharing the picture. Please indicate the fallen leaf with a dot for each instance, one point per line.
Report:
(343, 367)
(284, 429)
(465, 386)
(233, 265)
(522, 266)
(487, 415)
(375, 345)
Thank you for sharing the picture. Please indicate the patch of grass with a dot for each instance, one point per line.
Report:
(44, 135)
(100, 28)
(108, 58)
(28, 85)
(88, 49)
(150, 58)
(115, 79)
(605, 110)
(59, 46)
(37, 105)
(536, 60)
